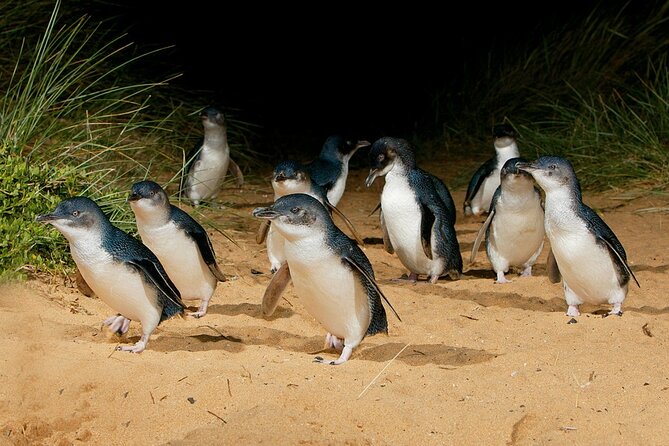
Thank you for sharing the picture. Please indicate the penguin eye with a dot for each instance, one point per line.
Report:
(75, 213)
(295, 210)
(381, 157)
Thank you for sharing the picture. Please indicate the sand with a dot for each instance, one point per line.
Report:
(471, 362)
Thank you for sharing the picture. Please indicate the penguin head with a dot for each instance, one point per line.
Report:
(148, 198)
(385, 153)
(503, 135)
(296, 216)
(212, 117)
(552, 173)
(511, 172)
(290, 177)
(337, 147)
(75, 217)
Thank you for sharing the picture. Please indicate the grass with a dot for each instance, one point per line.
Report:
(74, 122)
(594, 91)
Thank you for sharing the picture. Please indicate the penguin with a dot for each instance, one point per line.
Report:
(209, 161)
(330, 169)
(589, 256)
(514, 229)
(417, 222)
(330, 273)
(291, 177)
(486, 179)
(179, 241)
(120, 269)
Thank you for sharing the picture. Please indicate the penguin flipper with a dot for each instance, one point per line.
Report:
(376, 208)
(554, 274)
(234, 170)
(189, 163)
(341, 215)
(201, 238)
(480, 236)
(427, 221)
(263, 229)
(621, 260)
(274, 290)
(386, 238)
(370, 281)
(154, 271)
(477, 180)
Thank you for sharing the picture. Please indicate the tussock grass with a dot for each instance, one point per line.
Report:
(594, 91)
(74, 121)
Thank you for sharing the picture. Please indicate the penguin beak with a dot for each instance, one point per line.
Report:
(528, 167)
(266, 213)
(361, 144)
(373, 173)
(133, 197)
(46, 218)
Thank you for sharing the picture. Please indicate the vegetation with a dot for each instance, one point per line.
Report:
(72, 122)
(595, 91)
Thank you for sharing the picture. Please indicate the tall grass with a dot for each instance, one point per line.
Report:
(73, 121)
(594, 91)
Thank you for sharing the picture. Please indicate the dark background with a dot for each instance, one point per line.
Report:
(302, 73)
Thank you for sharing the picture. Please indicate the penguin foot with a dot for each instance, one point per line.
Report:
(573, 311)
(614, 312)
(137, 348)
(527, 272)
(117, 324)
(197, 314)
(501, 278)
(345, 356)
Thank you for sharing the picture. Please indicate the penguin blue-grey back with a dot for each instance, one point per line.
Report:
(120, 269)
(179, 241)
(418, 223)
(486, 179)
(514, 229)
(330, 273)
(209, 160)
(330, 169)
(590, 258)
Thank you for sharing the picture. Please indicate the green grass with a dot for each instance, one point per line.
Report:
(74, 121)
(594, 91)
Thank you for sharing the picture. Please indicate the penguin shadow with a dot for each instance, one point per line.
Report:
(653, 269)
(479, 273)
(248, 309)
(422, 354)
(373, 240)
(505, 298)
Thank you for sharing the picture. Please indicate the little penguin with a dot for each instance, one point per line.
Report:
(209, 161)
(331, 275)
(330, 169)
(589, 256)
(180, 242)
(120, 269)
(485, 180)
(417, 216)
(514, 229)
(290, 177)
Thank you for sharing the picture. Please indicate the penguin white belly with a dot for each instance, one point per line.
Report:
(402, 216)
(208, 173)
(118, 285)
(516, 236)
(337, 191)
(585, 265)
(181, 259)
(329, 291)
(481, 201)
